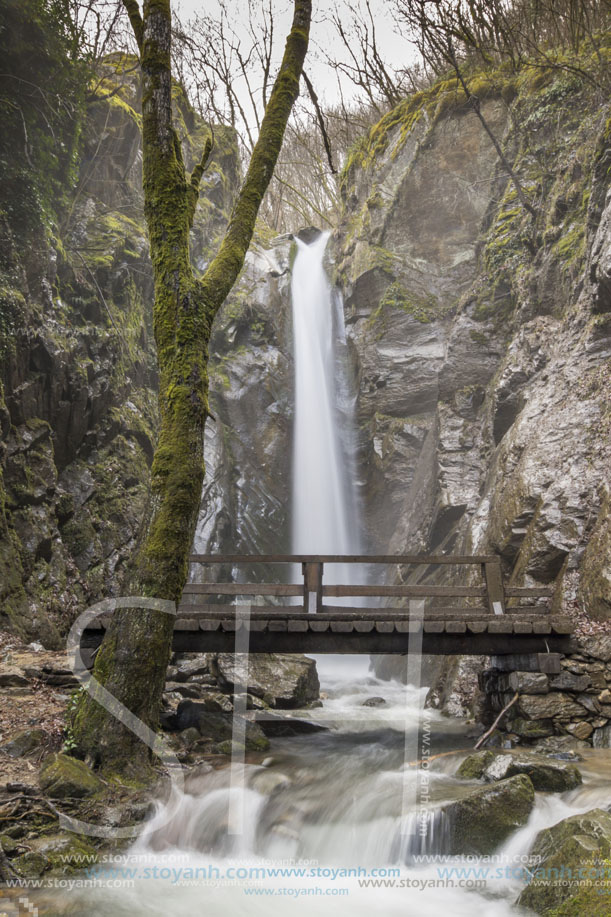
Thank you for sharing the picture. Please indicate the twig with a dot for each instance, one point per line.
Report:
(486, 735)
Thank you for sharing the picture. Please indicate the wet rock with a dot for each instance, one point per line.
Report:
(473, 767)
(278, 726)
(189, 736)
(267, 782)
(545, 774)
(215, 702)
(186, 689)
(479, 822)
(218, 727)
(283, 680)
(62, 777)
(375, 702)
(566, 846)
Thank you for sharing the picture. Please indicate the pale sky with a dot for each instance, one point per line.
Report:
(393, 48)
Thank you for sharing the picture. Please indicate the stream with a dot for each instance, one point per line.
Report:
(331, 805)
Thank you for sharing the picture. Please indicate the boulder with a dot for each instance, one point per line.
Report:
(283, 680)
(479, 822)
(566, 846)
(375, 702)
(24, 743)
(545, 774)
(218, 727)
(62, 777)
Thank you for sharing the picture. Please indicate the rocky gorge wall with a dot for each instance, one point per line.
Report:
(78, 405)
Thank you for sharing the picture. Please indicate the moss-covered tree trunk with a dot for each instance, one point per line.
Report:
(133, 659)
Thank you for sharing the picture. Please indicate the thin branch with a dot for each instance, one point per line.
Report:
(196, 177)
(487, 734)
(321, 122)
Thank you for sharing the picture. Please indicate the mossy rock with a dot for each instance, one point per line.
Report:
(473, 767)
(68, 853)
(575, 842)
(30, 865)
(63, 777)
(546, 774)
(479, 822)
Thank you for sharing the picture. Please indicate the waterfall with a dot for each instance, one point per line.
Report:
(325, 515)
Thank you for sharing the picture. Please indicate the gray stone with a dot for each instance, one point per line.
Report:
(375, 702)
(531, 729)
(525, 683)
(581, 730)
(569, 681)
(218, 727)
(599, 647)
(479, 822)
(549, 706)
(283, 680)
(190, 665)
(602, 737)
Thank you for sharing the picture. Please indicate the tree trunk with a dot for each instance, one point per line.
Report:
(133, 659)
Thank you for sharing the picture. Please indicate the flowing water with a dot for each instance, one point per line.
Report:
(325, 811)
(325, 518)
(302, 832)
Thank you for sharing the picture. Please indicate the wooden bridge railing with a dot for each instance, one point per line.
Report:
(313, 590)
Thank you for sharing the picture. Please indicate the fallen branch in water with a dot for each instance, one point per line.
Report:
(487, 735)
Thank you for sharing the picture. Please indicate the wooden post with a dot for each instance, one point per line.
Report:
(312, 582)
(494, 587)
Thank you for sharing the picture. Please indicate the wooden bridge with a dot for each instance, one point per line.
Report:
(493, 619)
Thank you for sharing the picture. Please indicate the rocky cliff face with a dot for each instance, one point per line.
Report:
(78, 414)
(482, 336)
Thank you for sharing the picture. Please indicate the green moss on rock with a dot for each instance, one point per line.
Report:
(63, 777)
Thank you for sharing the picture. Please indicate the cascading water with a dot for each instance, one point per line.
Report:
(325, 515)
(325, 512)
